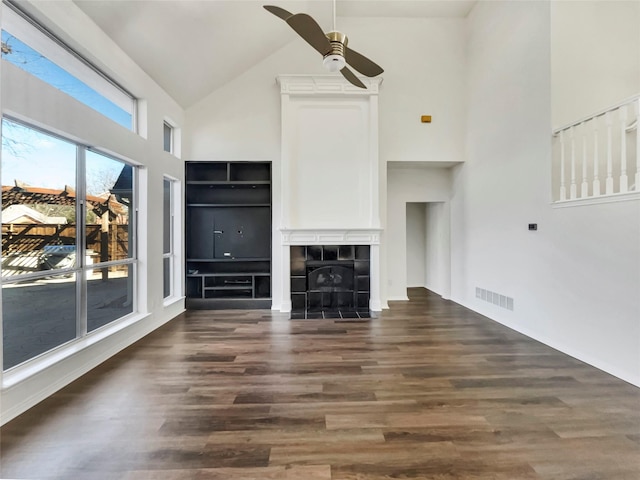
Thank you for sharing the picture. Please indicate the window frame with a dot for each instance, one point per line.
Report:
(21, 25)
(174, 240)
(167, 126)
(82, 269)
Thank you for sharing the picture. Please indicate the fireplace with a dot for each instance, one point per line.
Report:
(330, 281)
(331, 196)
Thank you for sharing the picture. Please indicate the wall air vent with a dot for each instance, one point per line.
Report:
(497, 299)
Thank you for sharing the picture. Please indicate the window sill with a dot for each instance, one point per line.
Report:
(172, 300)
(38, 364)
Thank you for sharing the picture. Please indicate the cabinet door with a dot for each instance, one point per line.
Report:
(242, 232)
(200, 223)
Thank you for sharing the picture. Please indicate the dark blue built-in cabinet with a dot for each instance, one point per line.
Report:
(228, 235)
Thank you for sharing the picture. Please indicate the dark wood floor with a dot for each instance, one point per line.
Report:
(428, 390)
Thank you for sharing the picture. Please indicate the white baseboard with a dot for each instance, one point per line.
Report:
(398, 299)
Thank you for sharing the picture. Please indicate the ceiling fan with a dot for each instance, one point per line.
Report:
(331, 45)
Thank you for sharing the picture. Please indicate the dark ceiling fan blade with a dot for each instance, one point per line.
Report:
(351, 77)
(362, 63)
(278, 12)
(310, 31)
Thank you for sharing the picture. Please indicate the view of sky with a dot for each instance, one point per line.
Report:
(36, 159)
(33, 62)
(41, 160)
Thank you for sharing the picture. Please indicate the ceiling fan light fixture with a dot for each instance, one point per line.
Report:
(334, 63)
(331, 45)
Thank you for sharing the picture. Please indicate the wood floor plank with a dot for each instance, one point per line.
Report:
(427, 390)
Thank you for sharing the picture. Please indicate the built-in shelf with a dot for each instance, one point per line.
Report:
(229, 184)
(196, 205)
(224, 274)
(215, 260)
(228, 234)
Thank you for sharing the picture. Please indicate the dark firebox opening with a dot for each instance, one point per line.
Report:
(330, 281)
(331, 287)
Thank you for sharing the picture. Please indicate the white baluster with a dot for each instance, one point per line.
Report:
(624, 180)
(637, 179)
(573, 190)
(563, 188)
(596, 179)
(609, 180)
(584, 188)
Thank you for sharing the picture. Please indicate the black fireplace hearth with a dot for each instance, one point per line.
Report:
(330, 281)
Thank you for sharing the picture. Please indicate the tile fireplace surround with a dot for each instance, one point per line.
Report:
(350, 258)
(330, 281)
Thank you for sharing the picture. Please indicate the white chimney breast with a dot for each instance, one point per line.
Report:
(330, 172)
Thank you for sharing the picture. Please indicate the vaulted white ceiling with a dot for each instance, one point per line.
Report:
(192, 47)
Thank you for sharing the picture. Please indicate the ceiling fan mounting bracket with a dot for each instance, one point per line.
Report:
(337, 37)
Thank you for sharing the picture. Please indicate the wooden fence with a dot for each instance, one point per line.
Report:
(23, 245)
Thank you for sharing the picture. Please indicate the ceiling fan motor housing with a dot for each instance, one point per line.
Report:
(334, 60)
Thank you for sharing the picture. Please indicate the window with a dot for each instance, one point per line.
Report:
(39, 242)
(108, 239)
(168, 137)
(168, 247)
(30, 47)
(68, 241)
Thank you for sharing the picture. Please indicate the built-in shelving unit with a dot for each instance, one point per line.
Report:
(228, 234)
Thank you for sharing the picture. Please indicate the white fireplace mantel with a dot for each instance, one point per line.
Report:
(330, 236)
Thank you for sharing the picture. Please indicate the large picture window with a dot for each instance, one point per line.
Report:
(58, 283)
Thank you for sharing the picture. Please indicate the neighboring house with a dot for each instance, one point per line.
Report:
(25, 214)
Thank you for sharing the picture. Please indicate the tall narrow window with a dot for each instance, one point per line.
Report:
(58, 284)
(168, 259)
(168, 137)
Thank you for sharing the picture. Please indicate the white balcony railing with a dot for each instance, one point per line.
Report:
(598, 156)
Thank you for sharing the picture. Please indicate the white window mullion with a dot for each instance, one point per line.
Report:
(81, 267)
(132, 236)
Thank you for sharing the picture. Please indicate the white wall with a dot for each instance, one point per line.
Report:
(595, 56)
(416, 244)
(30, 99)
(437, 253)
(575, 281)
(425, 65)
(408, 185)
(241, 120)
